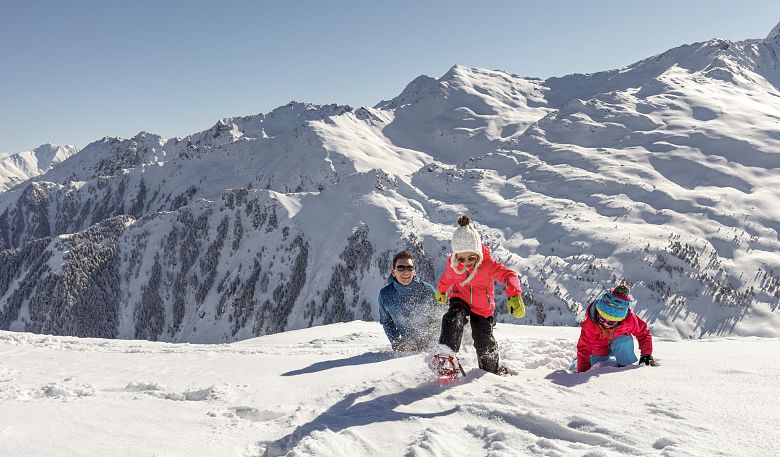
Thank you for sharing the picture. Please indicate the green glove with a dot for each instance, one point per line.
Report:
(516, 306)
(441, 297)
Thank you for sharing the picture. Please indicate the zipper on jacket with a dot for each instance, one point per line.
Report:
(471, 287)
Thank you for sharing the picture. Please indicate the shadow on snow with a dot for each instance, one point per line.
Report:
(348, 413)
(568, 379)
(360, 359)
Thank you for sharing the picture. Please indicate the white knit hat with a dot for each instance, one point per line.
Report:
(465, 239)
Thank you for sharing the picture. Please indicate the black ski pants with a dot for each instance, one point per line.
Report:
(481, 330)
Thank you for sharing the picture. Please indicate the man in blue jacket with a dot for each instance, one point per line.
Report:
(407, 309)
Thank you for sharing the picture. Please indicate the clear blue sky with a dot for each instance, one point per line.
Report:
(74, 71)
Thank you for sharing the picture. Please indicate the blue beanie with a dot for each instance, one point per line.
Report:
(613, 305)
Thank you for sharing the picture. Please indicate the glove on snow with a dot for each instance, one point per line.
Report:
(441, 297)
(647, 359)
(516, 306)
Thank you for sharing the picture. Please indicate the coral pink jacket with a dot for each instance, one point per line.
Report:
(479, 293)
(595, 340)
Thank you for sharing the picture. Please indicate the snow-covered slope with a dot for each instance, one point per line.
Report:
(662, 174)
(16, 168)
(465, 113)
(338, 390)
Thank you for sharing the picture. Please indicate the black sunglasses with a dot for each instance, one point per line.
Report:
(404, 267)
(471, 258)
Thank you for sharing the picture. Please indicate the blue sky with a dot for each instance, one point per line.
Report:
(73, 72)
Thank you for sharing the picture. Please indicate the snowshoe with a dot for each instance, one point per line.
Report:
(445, 364)
(446, 367)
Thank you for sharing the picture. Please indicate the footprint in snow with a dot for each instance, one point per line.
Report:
(156, 390)
(65, 392)
(662, 443)
(247, 413)
(663, 410)
(253, 414)
(585, 425)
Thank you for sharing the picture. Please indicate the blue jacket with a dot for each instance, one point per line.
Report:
(409, 313)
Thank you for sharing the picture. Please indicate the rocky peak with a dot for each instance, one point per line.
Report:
(774, 34)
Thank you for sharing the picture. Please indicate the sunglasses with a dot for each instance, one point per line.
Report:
(606, 323)
(471, 258)
(404, 267)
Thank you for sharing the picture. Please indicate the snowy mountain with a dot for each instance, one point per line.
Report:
(17, 168)
(339, 390)
(662, 174)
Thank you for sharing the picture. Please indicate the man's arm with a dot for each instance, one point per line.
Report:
(429, 287)
(387, 323)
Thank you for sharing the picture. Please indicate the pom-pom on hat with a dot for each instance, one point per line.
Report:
(613, 305)
(465, 239)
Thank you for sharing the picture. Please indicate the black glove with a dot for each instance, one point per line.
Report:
(647, 359)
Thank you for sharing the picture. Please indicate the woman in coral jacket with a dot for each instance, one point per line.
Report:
(607, 331)
(468, 284)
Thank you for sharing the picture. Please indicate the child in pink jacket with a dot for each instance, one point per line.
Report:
(468, 284)
(607, 331)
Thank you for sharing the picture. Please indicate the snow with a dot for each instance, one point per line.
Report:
(662, 174)
(17, 168)
(339, 390)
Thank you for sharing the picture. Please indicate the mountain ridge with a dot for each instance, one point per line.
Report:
(659, 174)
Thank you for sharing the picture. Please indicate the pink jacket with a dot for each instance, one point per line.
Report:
(595, 340)
(479, 293)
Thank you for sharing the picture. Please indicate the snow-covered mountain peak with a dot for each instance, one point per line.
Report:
(48, 154)
(108, 156)
(288, 120)
(279, 121)
(419, 88)
(17, 168)
(296, 112)
(493, 87)
(148, 139)
(223, 132)
(465, 113)
(461, 75)
(746, 64)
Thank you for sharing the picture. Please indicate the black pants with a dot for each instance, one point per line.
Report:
(481, 330)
